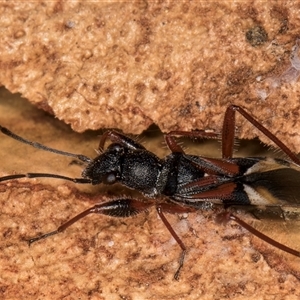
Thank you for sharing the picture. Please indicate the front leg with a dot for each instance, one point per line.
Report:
(119, 138)
(119, 208)
(127, 207)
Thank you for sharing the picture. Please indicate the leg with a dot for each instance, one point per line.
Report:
(126, 208)
(228, 133)
(122, 139)
(116, 208)
(173, 145)
(227, 216)
(173, 208)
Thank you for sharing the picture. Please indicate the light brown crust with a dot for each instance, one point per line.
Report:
(106, 258)
(177, 65)
(128, 65)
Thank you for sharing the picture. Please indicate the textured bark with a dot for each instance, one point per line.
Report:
(106, 258)
(172, 63)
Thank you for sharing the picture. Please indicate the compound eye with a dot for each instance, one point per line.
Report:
(110, 178)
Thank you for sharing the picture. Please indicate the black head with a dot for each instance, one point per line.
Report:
(106, 168)
(136, 169)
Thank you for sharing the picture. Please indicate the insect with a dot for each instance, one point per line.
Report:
(181, 182)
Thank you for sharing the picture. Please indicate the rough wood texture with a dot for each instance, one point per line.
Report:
(176, 64)
(128, 65)
(105, 258)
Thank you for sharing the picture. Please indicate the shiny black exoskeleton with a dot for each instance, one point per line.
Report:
(180, 182)
(142, 170)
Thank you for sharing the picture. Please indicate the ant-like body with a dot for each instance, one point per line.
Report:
(181, 182)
